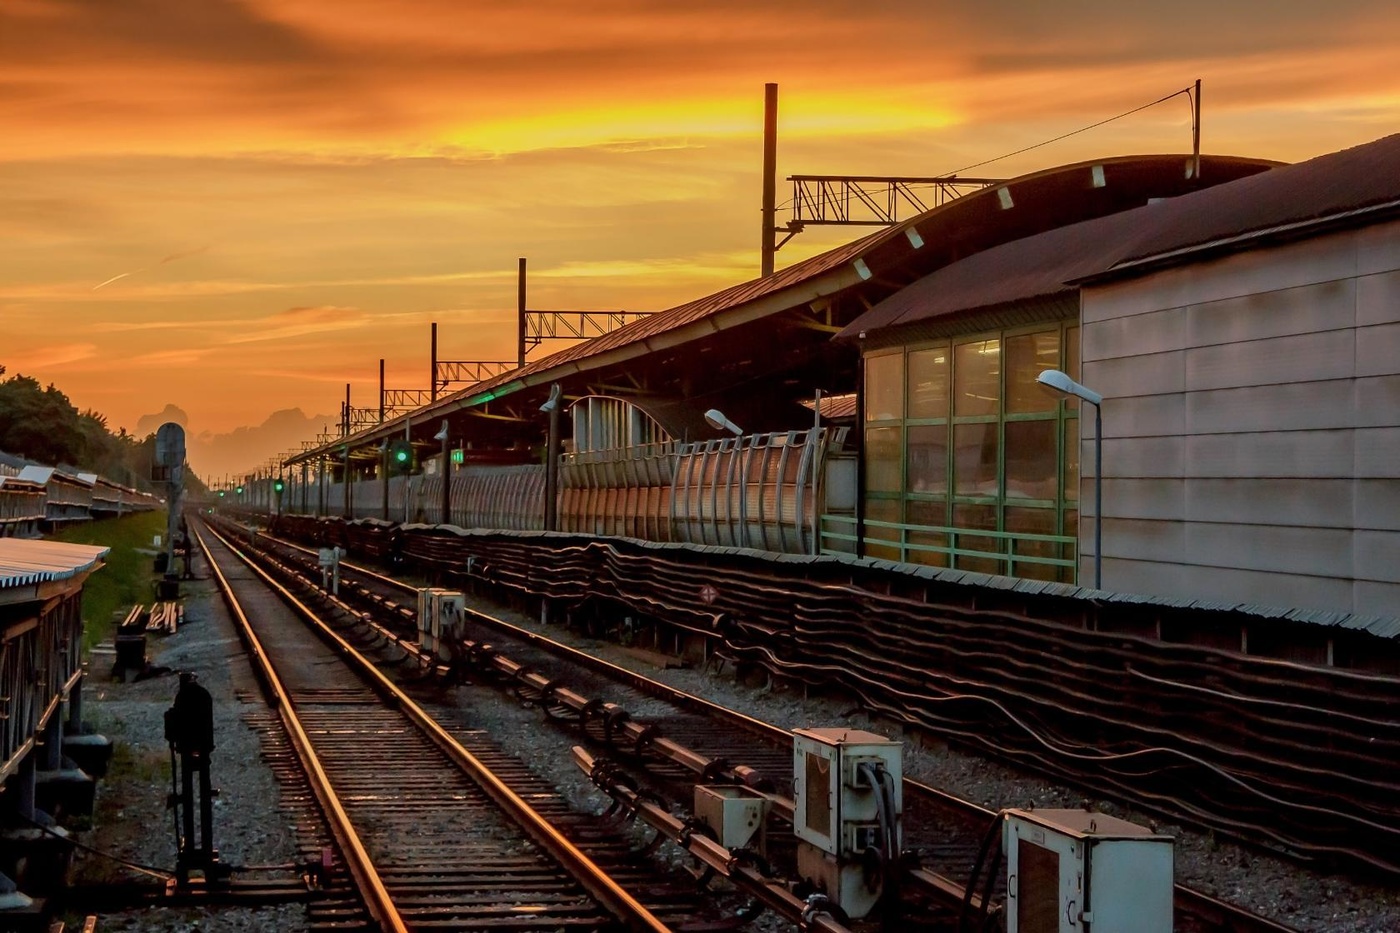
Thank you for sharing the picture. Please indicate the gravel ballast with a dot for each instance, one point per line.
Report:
(1271, 886)
(132, 820)
(250, 829)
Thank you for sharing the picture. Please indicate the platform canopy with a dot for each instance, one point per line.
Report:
(25, 564)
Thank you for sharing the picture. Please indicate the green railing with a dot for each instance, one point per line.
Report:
(891, 541)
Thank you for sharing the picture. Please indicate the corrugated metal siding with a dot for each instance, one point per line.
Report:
(25, 562)
(1252, 448)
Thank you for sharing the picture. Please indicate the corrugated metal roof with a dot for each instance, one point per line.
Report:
(24, 562)
(1049, 263)
(1034, 267)
(43, 474)
(959, 227)
(1347, 186)
(23, 485)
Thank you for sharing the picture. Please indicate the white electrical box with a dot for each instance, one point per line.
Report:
(735, 814)
(441, 615)
(838, 812)
(1077, 871)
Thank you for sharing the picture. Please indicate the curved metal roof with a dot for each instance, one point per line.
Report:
(1046, 201)
(899, 254)
(24, 562)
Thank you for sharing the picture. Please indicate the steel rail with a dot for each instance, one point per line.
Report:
(377, 901)
(1221, 914)
(599, 885)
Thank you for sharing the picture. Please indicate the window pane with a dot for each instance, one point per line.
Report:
(928, 383)
(1072, 352)
(1039, 522)
(977, 377)
(975, 459)
(982, 517)
(928, 458)
(1027, 356)
(930, 514)
(883, 458)
(1030, 459)
(1071, 459)
(884, 387)
(882, 510)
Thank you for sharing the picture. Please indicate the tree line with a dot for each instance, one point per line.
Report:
(41, 424)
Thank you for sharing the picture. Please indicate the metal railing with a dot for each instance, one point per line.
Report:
(896, 539)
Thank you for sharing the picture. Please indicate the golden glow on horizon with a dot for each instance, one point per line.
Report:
(256, 200)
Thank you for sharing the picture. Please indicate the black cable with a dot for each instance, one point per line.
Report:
(993, 834)
(1082, 129)
(160, 873)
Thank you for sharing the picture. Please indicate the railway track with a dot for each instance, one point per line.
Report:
(696, 740)
(430, 828)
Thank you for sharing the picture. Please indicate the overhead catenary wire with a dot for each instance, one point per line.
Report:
(1082, 129)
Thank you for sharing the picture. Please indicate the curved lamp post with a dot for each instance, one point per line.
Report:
(1061, 384)
(716, 419)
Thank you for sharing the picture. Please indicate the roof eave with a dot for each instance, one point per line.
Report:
(1297, 230)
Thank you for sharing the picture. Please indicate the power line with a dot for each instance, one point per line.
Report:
(1082, 129)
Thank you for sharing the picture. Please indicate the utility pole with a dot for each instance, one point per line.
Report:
(381, 390)
(432, 372)
(520, 312)
(1195, 135)
(770, 175)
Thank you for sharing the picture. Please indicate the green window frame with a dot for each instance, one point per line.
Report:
(960, 406)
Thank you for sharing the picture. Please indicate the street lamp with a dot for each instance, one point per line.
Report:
(552, 407)
(716, 419)
(1061, 384)
(442, 435)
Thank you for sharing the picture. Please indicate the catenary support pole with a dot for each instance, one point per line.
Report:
(770, 176)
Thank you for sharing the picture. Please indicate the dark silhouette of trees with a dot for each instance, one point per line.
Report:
(42, 425)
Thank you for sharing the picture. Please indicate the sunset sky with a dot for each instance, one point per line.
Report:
(237, 207)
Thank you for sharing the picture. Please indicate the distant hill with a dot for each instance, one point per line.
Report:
(242, 449)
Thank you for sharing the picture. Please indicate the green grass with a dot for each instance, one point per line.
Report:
(128, 575)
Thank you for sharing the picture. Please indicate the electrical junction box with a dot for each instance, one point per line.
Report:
(736, 815)
(1076, 871)
(838, 814)
(440, 619)
(425, 614)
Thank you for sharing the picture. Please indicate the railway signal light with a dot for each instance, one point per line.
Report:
(239, 490)
(278, 485)
(401, 456)
(221, 493)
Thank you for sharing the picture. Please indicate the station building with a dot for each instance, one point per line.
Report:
(1246, 341)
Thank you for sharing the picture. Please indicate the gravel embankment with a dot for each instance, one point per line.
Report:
(1312, 902)
(132, 820)
(250, 829)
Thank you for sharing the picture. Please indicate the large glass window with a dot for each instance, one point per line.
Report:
(1032, 467)
(928, 459)
(928, 383)
(884, 387)
(962, 439)
(1027, 356)
(977, 378)
(883, 456)
(975, 458)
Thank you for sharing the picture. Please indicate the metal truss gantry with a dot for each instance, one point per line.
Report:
(872, 200)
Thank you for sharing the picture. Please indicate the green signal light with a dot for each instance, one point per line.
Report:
(401, 455)
(278, 485)
(221, 493)
(239, 490)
